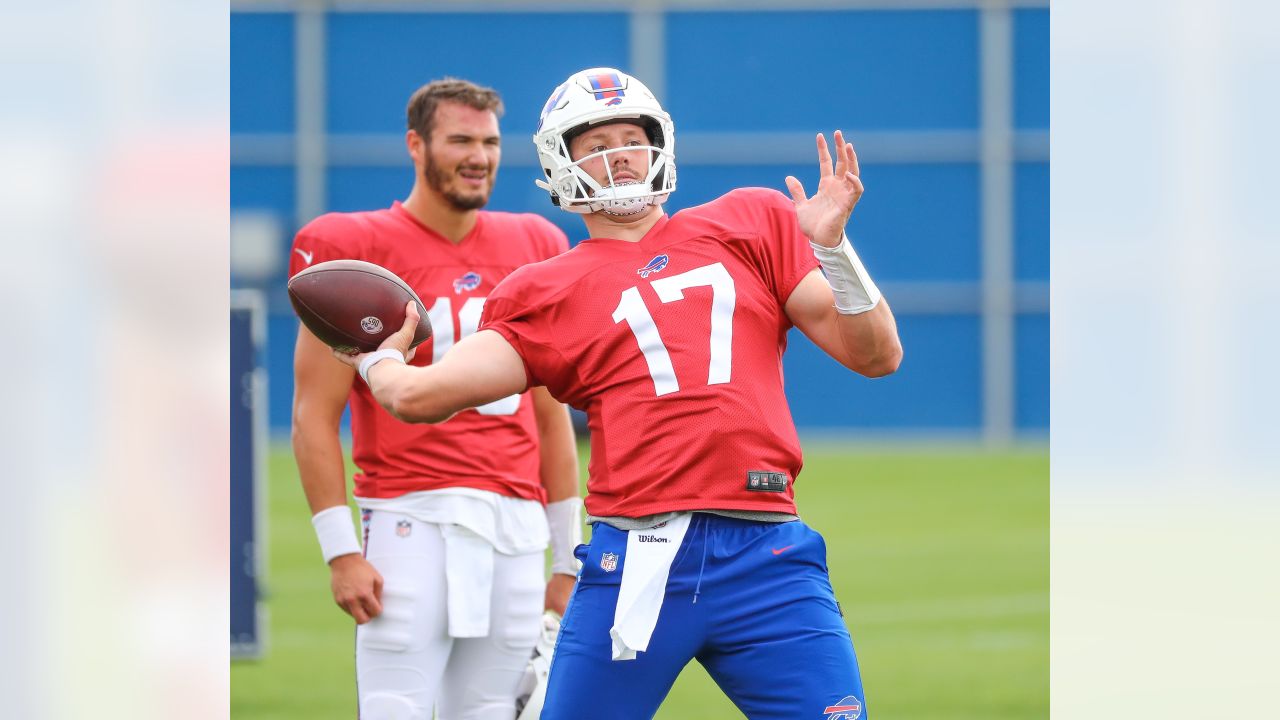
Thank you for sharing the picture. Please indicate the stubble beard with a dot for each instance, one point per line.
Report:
(438, 179)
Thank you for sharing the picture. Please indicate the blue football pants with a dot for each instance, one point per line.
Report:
(749, 600)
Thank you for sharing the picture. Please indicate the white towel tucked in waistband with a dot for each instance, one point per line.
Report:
(468, 569)
(644, 585)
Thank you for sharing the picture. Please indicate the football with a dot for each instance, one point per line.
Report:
(352, 305)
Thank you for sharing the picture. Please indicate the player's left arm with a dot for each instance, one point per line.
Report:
(559, 473)
(866, 343)
(480, 369)
(843, 312)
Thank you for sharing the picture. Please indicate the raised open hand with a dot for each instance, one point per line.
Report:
(823, 216)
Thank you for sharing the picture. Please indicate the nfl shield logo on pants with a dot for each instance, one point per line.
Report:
(403, 528)
(609, 562)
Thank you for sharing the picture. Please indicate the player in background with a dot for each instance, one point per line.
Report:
(669, 333)
(449, 590)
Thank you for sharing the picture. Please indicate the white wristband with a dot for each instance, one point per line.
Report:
(854, 291)
(335, 531)
(565, 519)
(376, 357)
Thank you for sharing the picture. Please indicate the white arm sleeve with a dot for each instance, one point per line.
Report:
(855, 292)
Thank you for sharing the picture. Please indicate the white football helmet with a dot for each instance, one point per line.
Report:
(532, 690)
(591, 97)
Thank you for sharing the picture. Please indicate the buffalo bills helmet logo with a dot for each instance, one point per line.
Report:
(656, 265)
(849, 708)
(470, 281)
(608, 85)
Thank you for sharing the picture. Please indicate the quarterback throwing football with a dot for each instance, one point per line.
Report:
(669, 333)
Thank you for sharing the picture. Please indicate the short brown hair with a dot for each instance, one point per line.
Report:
(422, 106)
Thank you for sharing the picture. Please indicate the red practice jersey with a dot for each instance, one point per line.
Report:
(494, 447)
(673, 347)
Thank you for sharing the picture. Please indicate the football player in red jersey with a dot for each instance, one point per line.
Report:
(449, 589)
(669, 333)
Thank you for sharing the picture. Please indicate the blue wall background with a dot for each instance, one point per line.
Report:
(776, 75)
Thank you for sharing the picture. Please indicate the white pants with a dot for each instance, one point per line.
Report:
(406, 662)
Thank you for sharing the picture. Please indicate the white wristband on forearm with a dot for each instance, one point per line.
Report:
(565, 519)
(335, 532)
(376, 357)
(855, 292)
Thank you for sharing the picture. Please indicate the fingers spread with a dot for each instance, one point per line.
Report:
(797, 190)
(853, 160)
(841, 158)
(856, 181)
(824, 156)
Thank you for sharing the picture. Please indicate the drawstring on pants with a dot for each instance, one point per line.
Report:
(698, 588)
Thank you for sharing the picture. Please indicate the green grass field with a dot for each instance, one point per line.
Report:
(940, 559)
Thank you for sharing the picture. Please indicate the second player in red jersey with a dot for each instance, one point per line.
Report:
(455, 518)
(453, 281)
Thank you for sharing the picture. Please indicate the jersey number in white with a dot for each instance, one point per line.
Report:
(441, 316)
(631, 308)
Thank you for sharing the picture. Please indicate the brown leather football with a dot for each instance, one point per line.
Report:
(352, 304)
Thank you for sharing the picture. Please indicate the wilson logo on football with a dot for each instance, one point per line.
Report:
(656, 265)
(466, 283)
(371, 325)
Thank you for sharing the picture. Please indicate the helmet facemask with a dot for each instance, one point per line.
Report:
(626, 197)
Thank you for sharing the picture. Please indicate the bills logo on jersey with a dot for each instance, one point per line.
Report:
(656, 265)
(466, 283)
(849, 708)
(607, 85)
(609, 562)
